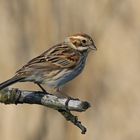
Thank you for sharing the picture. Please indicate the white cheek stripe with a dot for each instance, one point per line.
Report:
(82, 48)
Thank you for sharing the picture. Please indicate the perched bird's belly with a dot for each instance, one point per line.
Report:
(63, 76)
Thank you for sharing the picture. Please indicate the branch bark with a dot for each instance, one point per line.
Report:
(62, 104)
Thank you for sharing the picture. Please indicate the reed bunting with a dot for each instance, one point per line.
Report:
(56, 66)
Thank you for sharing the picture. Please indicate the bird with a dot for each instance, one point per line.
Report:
(56, 66)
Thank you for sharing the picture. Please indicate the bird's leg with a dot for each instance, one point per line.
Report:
(60, 94)
(42, 88)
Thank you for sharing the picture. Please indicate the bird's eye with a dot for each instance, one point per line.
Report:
(83, 41)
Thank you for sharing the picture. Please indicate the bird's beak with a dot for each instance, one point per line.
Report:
(93, 47)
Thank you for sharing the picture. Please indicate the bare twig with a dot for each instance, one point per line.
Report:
(63, 104)
(74, 119)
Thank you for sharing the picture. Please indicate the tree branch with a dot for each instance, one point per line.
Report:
(63, 104)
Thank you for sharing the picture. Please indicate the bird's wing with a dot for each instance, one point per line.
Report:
(58, 57)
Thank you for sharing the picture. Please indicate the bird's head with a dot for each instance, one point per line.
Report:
(81, 42)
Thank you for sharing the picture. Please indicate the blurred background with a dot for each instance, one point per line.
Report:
(110, 81)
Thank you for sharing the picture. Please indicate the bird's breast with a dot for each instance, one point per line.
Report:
(63, 76)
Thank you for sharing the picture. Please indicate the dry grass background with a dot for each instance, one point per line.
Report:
(110, 80)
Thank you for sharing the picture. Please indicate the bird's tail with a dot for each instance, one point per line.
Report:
(10, 82)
